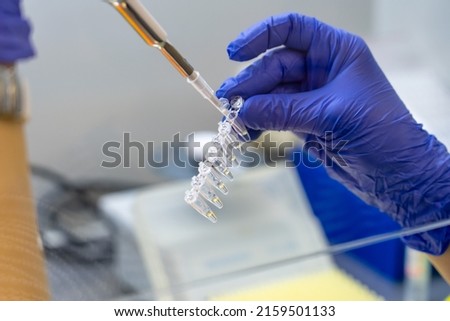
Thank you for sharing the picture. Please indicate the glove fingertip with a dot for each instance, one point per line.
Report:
(251, 115)
(234, 51)
(220, 93)
(227, 88)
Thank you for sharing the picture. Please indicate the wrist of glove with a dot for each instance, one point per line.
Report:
(421, 197)
(323, 82)
(15, 32)
(414, 191)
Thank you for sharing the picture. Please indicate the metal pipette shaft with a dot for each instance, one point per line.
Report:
(154, 35)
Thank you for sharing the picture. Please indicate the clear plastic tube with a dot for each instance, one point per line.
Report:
(225, 156)
(199, 184)
(219, 159)
(237, 102)
(212, 177)
(220, 156)
(238, 125)
(211, 196)
(233, 108)
(197, 203)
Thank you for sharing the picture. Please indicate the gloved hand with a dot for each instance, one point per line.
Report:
(14, 33)
(323, 84)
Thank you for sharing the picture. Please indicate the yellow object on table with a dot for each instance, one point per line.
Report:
(330, 285)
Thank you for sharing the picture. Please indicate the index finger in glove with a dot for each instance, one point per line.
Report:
(266, 74)
(293, 30)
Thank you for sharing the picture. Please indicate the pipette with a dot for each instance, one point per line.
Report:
(154, 35)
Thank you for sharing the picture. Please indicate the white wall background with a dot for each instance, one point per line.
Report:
(94, 79)
(425, 25)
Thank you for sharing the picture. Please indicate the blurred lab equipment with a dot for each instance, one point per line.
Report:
(267, 237)
(267, 234)
(186, 258)
(418, 273)
(81, 242)
(338, 209)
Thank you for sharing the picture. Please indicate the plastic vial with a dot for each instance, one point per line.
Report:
(200, 205)
(199, 183)
(219, 165)
(237, 102)
(220, 157)
(238, 125)
(212, 178)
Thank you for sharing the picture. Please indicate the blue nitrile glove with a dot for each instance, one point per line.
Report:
(14, 33)
(324, 84)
